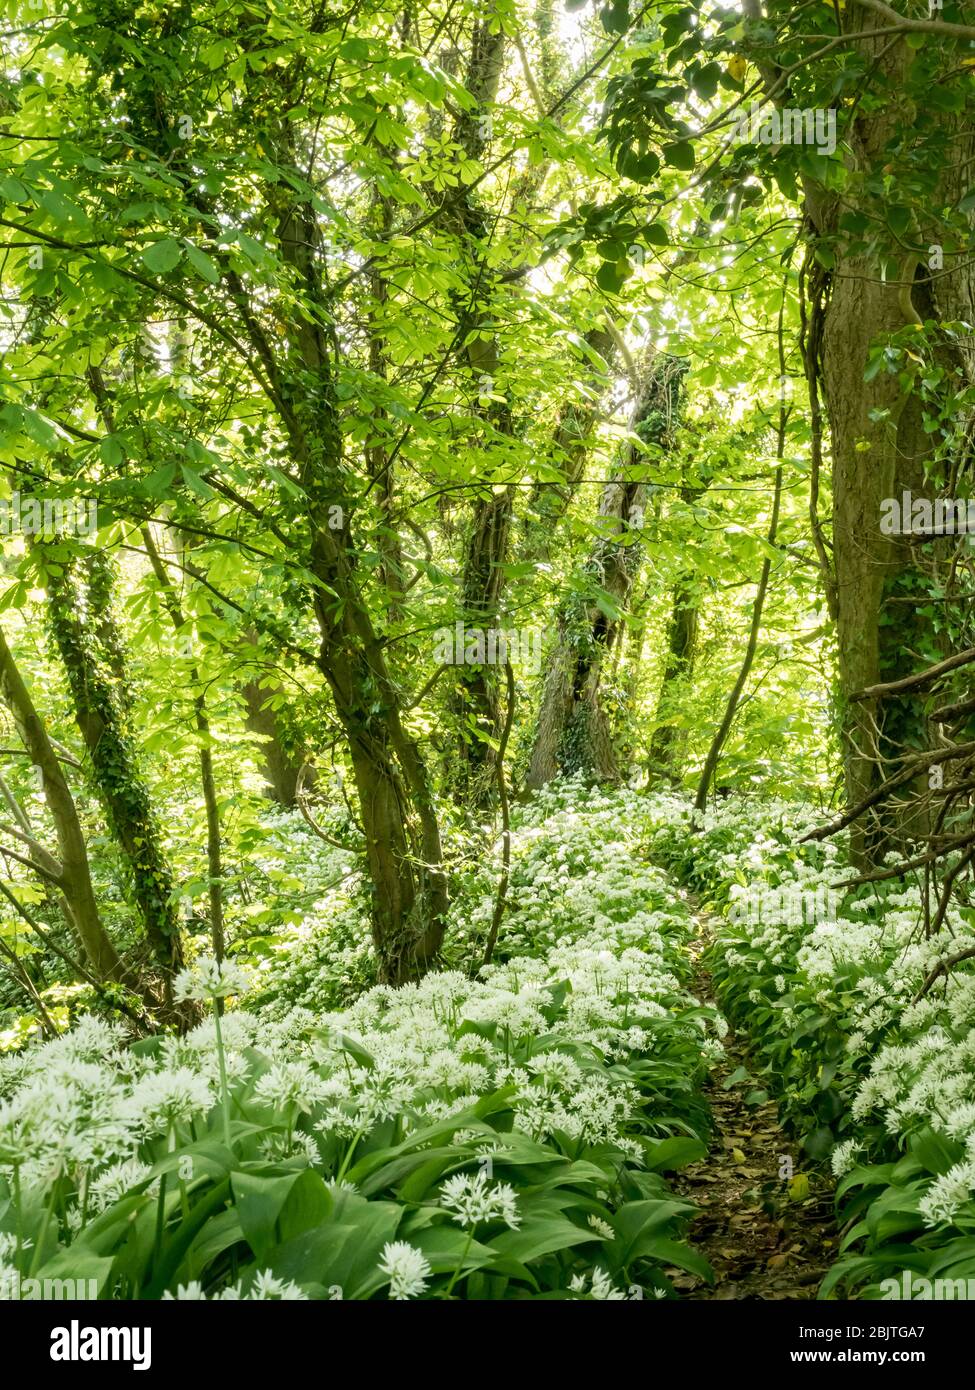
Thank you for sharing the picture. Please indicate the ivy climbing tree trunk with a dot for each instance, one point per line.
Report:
(879, 445)
(81, 618)
(573, 730)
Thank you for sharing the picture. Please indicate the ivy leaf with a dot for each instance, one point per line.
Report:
(898, 219)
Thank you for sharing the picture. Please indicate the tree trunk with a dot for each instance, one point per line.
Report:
(91, 653)
(571, 442)
(879, 450)
(403, 848)
(668, 741)
(279, 766)
(72, 874)
(207, 780)
(573, 731)
(476, 692)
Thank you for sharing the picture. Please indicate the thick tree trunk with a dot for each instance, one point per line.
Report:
(879, 450)
(573, 732)
(872, 460)
(396, 804)
(879, 447)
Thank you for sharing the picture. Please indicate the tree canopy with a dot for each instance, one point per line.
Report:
(421, 419)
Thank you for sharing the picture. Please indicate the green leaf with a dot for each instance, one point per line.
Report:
(110, 451)
(62, 210)
(611, 276)
(260, 1201)
(540, 1236)
(637, 1222)
(343, 1252)
(13, 191)
(163, 255)
(201, 263)
(668, 1155)
(680, 154)
(195, 483)
(673, 1252)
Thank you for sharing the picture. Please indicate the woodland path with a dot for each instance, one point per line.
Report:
(765, 1222)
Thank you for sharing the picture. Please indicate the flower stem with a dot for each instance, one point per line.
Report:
(224, 1091)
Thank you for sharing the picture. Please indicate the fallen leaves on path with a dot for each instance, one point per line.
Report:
(765, 1222)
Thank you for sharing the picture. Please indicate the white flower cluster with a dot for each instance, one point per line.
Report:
(265, 1286)
(922, 1055)
(589, 976)
(473, 1200)
(207, 978)
(408, 1270)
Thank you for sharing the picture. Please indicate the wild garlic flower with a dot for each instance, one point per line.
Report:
(599, 1287)
(408, 1270)
(116, 1182)
(207, 978)
(290, 1084)
(947, 1195)
(277, 1148)
(160, 1100)
(472, 1200)
(267, 1286)
(843, 1158)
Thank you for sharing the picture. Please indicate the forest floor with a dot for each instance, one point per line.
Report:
(765, 1223)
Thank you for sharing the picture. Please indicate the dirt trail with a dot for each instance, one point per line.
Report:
(766, 1222)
